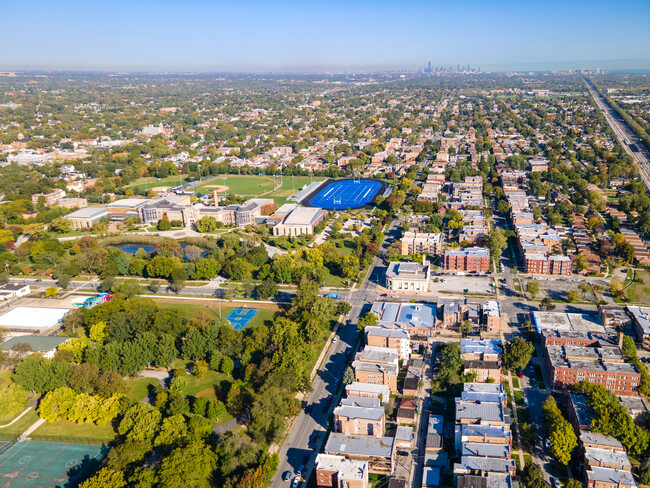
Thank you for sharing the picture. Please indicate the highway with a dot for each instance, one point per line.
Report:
(300, 448)
(624, 134)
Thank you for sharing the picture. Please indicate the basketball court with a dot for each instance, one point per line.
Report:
(34, 464)
(240, 317)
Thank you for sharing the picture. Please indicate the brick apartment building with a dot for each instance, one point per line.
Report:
(397, 339)
(538, 263)
(422, 243)
(605, 366)
(49, 198)
(471, 259)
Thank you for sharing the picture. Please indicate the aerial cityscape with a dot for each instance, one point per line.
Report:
(237, 255)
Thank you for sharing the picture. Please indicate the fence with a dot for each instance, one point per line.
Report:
(67, 440)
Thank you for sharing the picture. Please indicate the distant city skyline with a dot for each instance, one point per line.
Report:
(292, 36)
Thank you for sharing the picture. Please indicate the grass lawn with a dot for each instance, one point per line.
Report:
(138, 388)
(66, 429)
(515, 382)
(639, 290)
(21, 426)
(5, 377)
(240, 185)
(261, 316)
(211, 379)
(153, 182)
(377, 480)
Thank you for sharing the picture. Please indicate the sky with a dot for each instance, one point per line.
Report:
(323, 36)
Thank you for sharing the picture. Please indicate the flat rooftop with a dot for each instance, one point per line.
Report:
(359, 445)
(405, 314)
(32, 317)
(568, 322)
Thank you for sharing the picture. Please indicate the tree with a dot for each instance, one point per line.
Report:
(368, 320)
(629, 348)
(227, 365)
(562, 437)
(546, 304)
(57, 404)
(348, 376)
(51, 291)
(451, 363)
(178, 277)
(215, 409)
(517, 354)
(572, 295)
(580, 264)
(191, 466)
(496, 241)
(572, 483)
(140, 422)
(465, 327)
(164, 224)
(532, 288)
(267, 288)
(105, 478)
(206, 224)
(644, 472)
(172, 430)
(12, 399)
(533, 477)
(615, 288)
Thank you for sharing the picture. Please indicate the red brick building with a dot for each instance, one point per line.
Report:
(472, 259)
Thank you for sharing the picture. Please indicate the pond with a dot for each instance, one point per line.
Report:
(132, 248)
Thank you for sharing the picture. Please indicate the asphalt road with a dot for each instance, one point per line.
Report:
(297, 450)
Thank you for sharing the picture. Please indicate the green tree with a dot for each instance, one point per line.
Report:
(52, 291)
(580, 264)
(105, 478)
(348, 376)
(12, 399)
(629, 348)
(227, 365)
(369, 319)
(140, 422)
(572, 296)
(267, 288)
(172, 431)
(615, 288)
(546, 304)
(561, 435)
(191, 466)
(164, 224)
(517, 353)
(532, 288)
(451, 363)
(215, 409)
(206, 224)
(57, 404)
(496, 242)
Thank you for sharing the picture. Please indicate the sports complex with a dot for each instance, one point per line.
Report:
(345, 194)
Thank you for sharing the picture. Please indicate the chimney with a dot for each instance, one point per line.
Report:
(620, 340)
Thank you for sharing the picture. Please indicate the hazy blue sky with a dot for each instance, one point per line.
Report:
(315, 35)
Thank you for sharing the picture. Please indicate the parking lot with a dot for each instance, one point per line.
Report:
(556, 288)
(481, 285)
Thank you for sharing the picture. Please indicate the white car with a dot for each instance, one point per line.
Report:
(335, 340)
(556, 483)
(295, 482)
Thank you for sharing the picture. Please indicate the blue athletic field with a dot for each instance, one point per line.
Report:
(342, 194)
(34, 464)
(240, 317)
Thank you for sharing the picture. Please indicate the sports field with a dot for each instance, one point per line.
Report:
(240, 317)
(343, 194)
(239, 185)
(33, 464)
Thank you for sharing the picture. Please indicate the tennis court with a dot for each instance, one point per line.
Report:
(343, 194)
(33, 464)
(240, 317)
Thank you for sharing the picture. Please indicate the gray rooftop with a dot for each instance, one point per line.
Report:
(88, 213)
(607, 456)
(357, 401)
(353, 412)
(588, 437)
(482, 411)
(609, 475)
(36, 342)
(485, 450)
(477, 463)
(642, 317)
(359, 445)
(405, 314)
(568, 322)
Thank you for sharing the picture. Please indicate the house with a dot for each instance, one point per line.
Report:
(378, 452)
(404, 437)
(483, 413)
(435, 430)
(45, 345)
(484, 392)
(406, 411)
(473, 433)
(339, 472)
(13, 290)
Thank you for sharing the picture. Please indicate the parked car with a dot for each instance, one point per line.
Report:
(335, 340)
(295, 482)
(520, 373)
(286, 476)
(384, 295)
(556, 483)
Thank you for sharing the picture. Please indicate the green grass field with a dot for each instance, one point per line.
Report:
(21, 426)
(240, 185)
(138, 388)
(256, 185)
(66, 429)
(152, 182)
(262, 315)
(639, 290)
